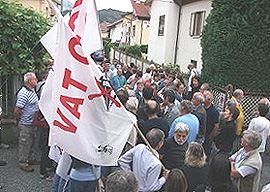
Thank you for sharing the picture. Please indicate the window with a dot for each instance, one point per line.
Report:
(194, 62)
(161, 25)
(133, 30)
(196, 23)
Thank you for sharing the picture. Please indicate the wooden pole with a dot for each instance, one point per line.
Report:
(104, 64)
(148, 144)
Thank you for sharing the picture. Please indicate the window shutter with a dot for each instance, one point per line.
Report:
(203, 20)
(191, 26)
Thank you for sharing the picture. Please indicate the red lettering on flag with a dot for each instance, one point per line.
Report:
(104, 92)
(72, 20)
(74, 110)
(69, 81)
(70, 126)
(77, 3)
(72, 43)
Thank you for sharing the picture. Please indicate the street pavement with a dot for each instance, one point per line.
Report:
(16, 180)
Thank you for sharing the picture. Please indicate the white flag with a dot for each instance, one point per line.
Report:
(84, 23)
(86, 118)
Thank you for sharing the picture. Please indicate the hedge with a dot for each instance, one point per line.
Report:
(21, 30)
(235, 44)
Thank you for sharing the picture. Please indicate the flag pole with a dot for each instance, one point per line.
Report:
(148, 144)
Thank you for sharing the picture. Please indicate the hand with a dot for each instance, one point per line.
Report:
(166, 173)
(230, 159)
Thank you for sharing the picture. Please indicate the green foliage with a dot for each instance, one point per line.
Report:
(236, 43)
(144, 49)
(134, 50)
(107, 44)
(21, 29)
(172, 68)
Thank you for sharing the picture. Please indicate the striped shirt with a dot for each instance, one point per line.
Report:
(27, 100)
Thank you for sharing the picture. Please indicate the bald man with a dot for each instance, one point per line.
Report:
(153, 121)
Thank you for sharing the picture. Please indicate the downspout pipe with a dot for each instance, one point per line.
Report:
(177, 34)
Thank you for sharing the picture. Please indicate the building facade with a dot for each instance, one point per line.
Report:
(175, 29)
(134, 27)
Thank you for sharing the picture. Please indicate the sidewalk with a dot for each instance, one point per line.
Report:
(16, 180)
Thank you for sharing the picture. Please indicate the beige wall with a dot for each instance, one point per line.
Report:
(141, 32)
(39, 5)
(142, 28)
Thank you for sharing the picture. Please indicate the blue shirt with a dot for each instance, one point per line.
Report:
(27, 100)
(118, 82)
(90, 173)
(193, 124)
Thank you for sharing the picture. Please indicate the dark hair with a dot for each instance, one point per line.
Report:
(123, 96)
(155, 136)
(151, 111)
(235, 112)
(148, 70)
(134, 70)
(179, 83)
(263, 109)
(139, 73)
(170, 94)
(131, 65)
(121, 181)
(155, 85)
(156, 75)
(219, 179)
(162, 76)
(160, 70)
(197, 77)
(176, 181)
(147, 92)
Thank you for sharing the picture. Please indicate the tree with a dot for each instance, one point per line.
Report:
(236, 43)
(21, 30)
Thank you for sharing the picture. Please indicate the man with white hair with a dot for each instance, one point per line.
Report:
(26, 106)
(200, 113)
(186, 107)
(174, 149)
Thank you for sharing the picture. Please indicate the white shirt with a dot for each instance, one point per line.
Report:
(262, 126)
(145, 166)
(242, 170)
(193, 73)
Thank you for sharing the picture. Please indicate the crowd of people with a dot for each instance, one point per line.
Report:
(189, 142)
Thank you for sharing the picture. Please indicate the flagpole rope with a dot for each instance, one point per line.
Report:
(148, 144)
